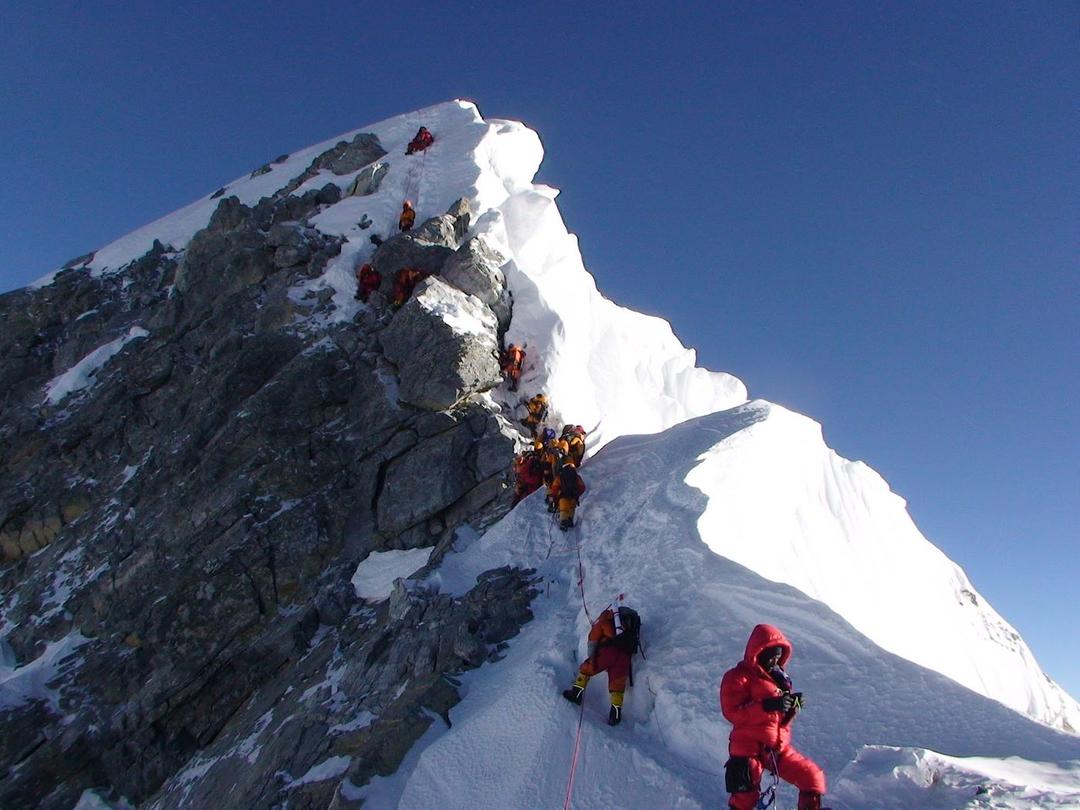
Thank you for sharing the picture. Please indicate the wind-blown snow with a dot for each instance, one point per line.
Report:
(784, 505)
(903, 778)
(82, 374)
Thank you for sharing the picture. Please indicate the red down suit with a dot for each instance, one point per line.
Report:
(756, 731)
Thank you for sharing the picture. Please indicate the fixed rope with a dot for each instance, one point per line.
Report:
(574, 758)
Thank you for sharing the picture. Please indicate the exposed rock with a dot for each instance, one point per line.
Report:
(444, 345)
(266, 168)
(476, 268)
(368, 180)
(426, 248)
(344, 157)
(79, 261)
(180, 536)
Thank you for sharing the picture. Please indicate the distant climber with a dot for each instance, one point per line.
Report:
(528, 473)
(756, 697)
(574, 436)
(613, 639)
(421, 141)
(538, 410)
(565, 492)
(368, 280)
(511, 361)
(407, 218)
(552, 457)
(405, 281)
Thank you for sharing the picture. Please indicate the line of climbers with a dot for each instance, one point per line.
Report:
(756, 697)
(554, 463)
(368, 278)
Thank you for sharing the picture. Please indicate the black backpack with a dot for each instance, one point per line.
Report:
(569, 481)
(629, 640)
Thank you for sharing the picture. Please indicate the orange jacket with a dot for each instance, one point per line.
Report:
(407, 218)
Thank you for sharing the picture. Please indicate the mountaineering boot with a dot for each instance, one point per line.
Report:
(566, 525)
(614, 716)
(574, 693)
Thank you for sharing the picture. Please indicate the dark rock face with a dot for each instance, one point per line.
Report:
(438, 364)
(177, 537)
(343, 158)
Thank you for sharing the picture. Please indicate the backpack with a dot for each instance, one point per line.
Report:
(629, 640)
(569, 481)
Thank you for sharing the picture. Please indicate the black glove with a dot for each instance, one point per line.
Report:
(783, 703)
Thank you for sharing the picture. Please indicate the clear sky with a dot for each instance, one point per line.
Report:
(881, 227)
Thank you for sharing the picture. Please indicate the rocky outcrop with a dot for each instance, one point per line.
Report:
(368, 180)
(444, 345)
(476, 269)
(178, 537)
(344, 157)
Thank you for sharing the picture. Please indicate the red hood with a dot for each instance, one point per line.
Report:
(765, 635)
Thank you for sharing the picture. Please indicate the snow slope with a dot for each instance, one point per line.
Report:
(512, 739)
(779, 501)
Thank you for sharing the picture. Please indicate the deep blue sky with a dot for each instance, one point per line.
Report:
(870, 213)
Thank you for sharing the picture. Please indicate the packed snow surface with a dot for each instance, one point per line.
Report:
(904, 778)
(641, 534)
(374, 577)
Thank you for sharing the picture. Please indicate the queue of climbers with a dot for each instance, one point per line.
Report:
(368, 279)
(757, 695)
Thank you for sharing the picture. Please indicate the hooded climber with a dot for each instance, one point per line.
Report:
(565, 491)
(405, 282)
(511, 361)
(407, 218)
(756, 698)
(613, 640)
(421, 141)
(538, 410)
(368, 280)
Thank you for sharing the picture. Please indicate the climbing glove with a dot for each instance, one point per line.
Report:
(783, 703)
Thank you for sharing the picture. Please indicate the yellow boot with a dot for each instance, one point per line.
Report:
(615, 713)
(575, 692)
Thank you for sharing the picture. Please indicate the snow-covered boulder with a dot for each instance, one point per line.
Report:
(444, 345)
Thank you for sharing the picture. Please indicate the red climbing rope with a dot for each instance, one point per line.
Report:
(574, 758)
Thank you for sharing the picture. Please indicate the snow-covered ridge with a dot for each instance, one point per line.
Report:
(641, 534)
(779, 501)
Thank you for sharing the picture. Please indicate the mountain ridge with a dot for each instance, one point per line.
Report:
(270, 435)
